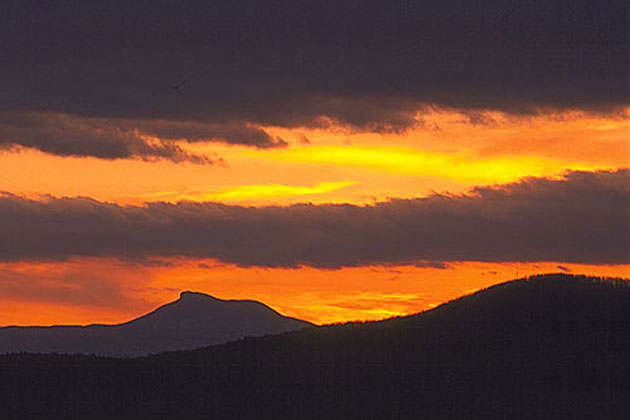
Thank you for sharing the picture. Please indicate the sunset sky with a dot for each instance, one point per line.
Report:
(344, 160)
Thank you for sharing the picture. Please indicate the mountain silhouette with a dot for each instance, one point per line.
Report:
(545, 347)
(194, 320)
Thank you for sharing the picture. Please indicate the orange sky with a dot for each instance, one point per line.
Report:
(83, 291)
(444, 152)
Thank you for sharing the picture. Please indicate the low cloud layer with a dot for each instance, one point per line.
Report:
(582, 218)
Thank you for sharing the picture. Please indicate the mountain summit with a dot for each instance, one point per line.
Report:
(546, 347)
(194, 320)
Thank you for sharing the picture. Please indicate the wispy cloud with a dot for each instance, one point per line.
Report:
(70, 135)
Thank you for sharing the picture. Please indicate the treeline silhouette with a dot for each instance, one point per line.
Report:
(546, 347)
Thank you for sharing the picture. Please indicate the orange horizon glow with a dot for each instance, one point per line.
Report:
(50, 293)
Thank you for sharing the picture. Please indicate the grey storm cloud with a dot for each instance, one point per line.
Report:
(65, 135)
(192, 131)
(70, 135)
(581, 218)
(367, 63)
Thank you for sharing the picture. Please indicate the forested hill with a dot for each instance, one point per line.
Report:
(547, 347)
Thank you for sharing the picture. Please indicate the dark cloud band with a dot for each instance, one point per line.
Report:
(367, 63)
(582, 218)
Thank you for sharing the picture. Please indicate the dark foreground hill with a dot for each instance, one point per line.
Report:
(550, 347)
(194, 320)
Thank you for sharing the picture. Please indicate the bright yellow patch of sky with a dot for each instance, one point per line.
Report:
(445, 152)
(250, 192)
(408, 161)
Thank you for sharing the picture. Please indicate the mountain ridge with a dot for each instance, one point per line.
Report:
(192, 321)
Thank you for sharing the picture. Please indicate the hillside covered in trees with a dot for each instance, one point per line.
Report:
(546, 347)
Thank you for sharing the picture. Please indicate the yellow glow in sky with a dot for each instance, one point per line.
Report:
(409, 161)
(248, 192)
(446, 152)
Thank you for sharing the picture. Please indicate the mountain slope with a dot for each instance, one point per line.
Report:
(194, 320)
(548, 347)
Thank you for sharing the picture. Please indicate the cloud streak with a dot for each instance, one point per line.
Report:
(582, 218)
(150, 140)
